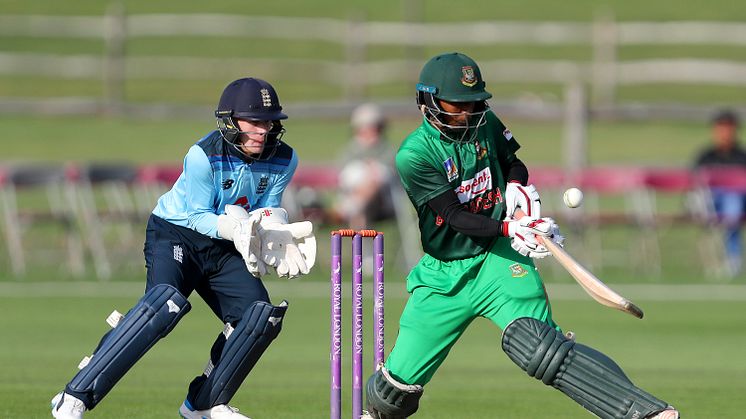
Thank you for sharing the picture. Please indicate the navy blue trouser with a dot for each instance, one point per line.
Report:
(191, 261)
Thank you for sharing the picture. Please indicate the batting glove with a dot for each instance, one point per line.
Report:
(523, 197)
(523, 235)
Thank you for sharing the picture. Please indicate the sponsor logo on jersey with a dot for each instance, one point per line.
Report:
(479, 184)
(468, 78)
(263, 183)
(451, 169)
(228, 183)
(517, 271)
(507, 134)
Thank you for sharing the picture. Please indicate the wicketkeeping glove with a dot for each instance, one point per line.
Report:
(240, 227)
(288, 247)
(523, 234)
(523, 197)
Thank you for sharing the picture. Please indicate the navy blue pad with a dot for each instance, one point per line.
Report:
(258, 327)
(152, 318)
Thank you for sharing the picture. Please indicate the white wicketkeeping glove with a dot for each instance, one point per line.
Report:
(240, 227)
(523, 197)
(288, 247)
(523, 234)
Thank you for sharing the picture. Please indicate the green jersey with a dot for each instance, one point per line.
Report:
(429, 166)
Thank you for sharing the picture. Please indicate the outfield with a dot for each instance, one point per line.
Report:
(80, 139)
(687, 350)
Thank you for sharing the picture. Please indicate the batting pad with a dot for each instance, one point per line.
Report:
(390, 399)
(258, 327)
(589, 377)
(152, 318)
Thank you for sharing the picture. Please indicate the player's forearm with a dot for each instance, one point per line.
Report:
(458, 218)
(517, 172)
(204, 222)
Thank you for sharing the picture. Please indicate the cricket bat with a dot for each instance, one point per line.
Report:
(590, 284)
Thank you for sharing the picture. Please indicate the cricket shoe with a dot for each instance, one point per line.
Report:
(669, 413)
(221, 411)
(65, 406)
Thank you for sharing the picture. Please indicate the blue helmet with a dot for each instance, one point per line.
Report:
(254, 100)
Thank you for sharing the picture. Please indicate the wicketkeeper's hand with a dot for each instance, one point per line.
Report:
(240, 227)
(523, 235)
(523, 197)
(288, 247)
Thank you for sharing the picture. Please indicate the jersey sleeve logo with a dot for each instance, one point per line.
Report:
(507, 134)
(451, 169)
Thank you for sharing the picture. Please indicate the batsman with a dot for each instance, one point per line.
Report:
(217, 232)
(461, 173)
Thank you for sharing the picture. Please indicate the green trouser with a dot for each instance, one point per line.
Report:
(446, 297)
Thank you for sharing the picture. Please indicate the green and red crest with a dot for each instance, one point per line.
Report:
(468, 78)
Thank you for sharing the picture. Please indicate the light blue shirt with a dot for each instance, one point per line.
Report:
(214, 176)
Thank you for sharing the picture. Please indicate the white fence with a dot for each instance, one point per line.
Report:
(603, 72)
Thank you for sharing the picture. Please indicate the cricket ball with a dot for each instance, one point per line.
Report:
(573, 197)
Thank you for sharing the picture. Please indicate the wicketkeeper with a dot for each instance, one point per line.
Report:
(216, 232)
(461, 173)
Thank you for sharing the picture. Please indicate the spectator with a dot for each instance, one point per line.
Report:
(729, 204)
(367, 171)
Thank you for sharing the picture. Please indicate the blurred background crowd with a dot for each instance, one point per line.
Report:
(636, 103)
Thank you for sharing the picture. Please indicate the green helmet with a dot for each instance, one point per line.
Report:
(453, 77)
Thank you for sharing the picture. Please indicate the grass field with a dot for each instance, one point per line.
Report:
(686, 351)
(80, 139)
(434, 10)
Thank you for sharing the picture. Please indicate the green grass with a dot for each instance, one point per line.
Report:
(434, 10)
(687, 353)
(81, 139)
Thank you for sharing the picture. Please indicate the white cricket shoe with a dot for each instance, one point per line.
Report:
(221, 411)
(366, 415)
(65, 406)
(669, 413)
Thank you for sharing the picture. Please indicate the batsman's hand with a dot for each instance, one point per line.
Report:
(240, 227)
(290, 248)
(523, 234)
(524, 197)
